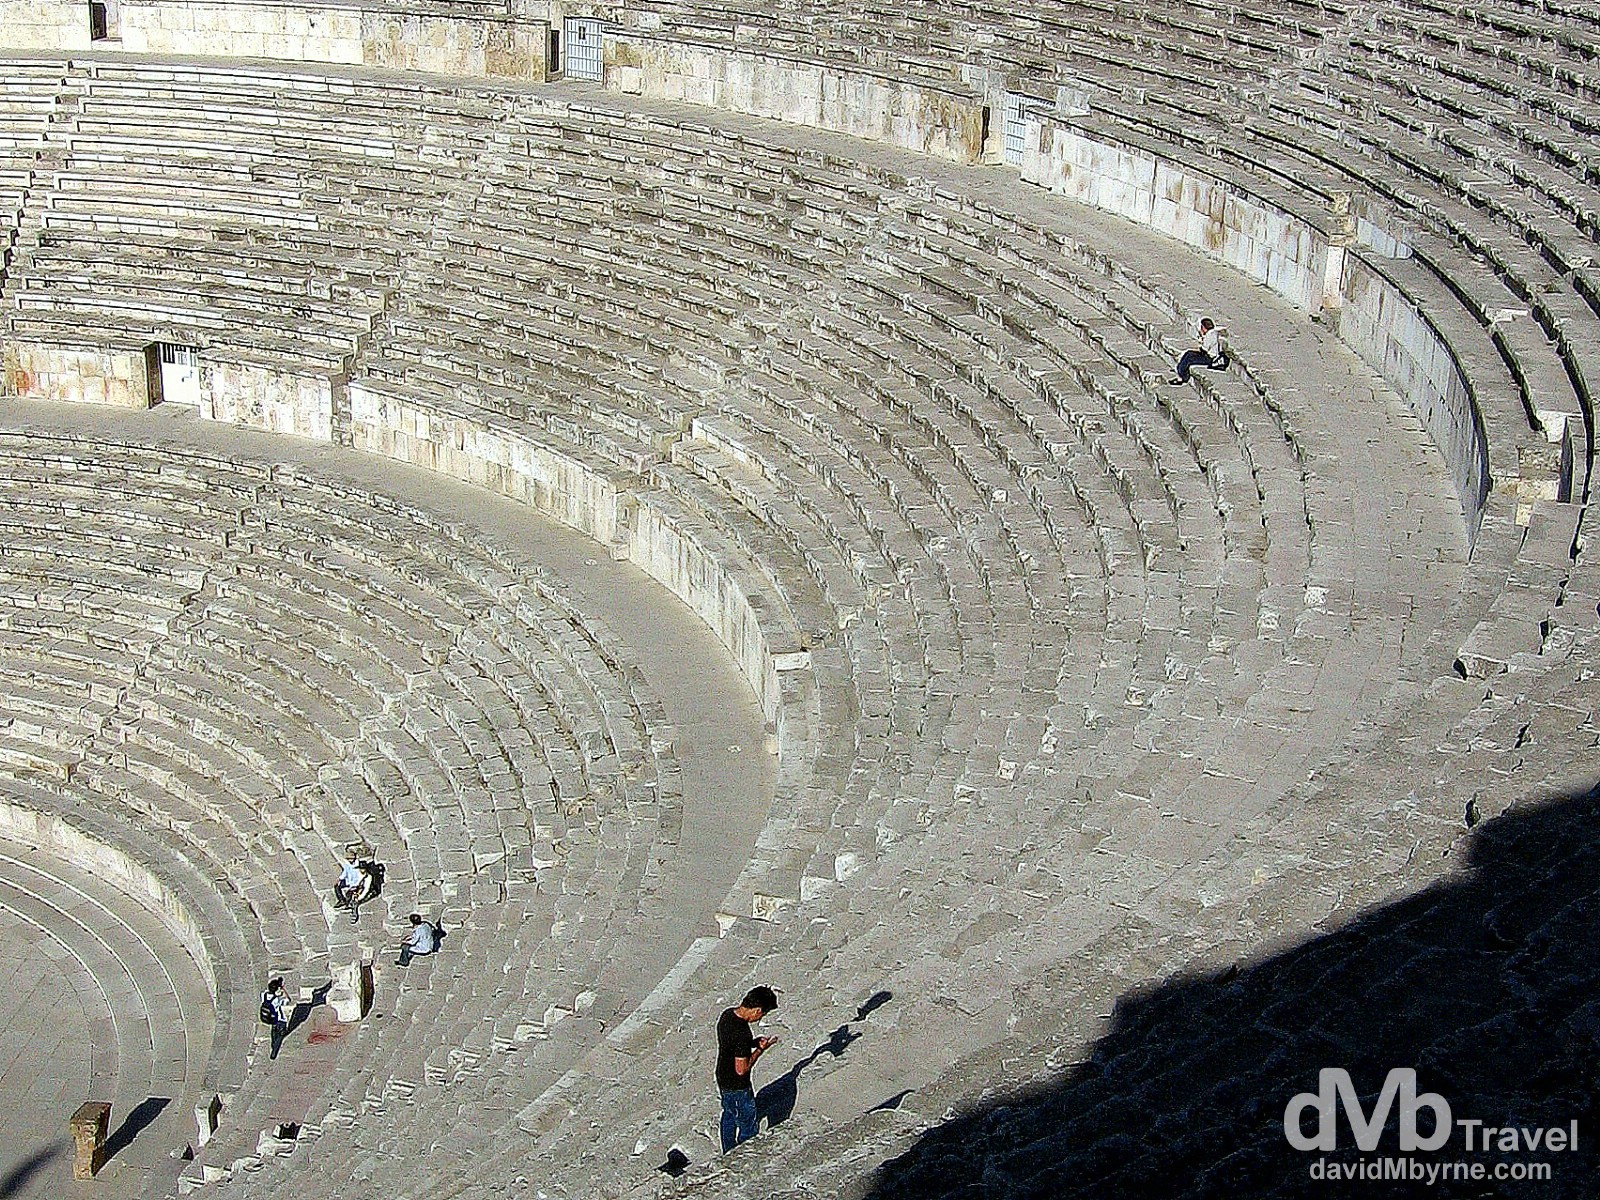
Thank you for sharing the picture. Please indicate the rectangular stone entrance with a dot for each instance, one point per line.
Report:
(585, 55)
(174, 374)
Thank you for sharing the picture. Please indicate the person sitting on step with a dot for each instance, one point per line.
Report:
(423, 939)
(356, 884)
(1210, 355)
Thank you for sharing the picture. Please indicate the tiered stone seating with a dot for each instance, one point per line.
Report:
(934, 535)
(1494, 234)
(143, 1009)
(831, 532)
(1471, 238)
(264, 685)
(267, 205)
(1035, 633)
(27, 101)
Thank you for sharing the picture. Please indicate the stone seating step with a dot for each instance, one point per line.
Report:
(225, 951)
(913, 531)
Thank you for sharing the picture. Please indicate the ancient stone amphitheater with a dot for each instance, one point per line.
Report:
(693, 490)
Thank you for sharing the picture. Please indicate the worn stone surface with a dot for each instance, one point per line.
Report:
(1098, 709)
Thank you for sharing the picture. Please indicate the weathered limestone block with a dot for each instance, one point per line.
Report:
(351, 994)
(1544, 472)
(516, 50)
(501, 460)
(900, 112)
(453, 46)
(264, 398)
(207, 1115)
(45, 25)
(89, 1126)
(690, 562)
(309, 32)
(77, 376)
(1493, 643)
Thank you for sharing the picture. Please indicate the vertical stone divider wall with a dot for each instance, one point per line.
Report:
(1393, 335)
(268, 398)
(109, 377)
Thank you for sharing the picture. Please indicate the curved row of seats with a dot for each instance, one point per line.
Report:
(1459, 133)
(1471, 281)
(870, 508)
(1490, 266)
(932, 431)
(1055, 616)
(197, 645)
(223, 169)
(148, 1009)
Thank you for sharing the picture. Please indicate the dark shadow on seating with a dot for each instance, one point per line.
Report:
(302, 1010)
(872, 1004)
(775, 1102)
(1488, 984)
(892, 1103)
(14, 1180)
(135, 1123)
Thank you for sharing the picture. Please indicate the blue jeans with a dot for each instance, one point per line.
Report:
(1199, 358)
(738, 1118)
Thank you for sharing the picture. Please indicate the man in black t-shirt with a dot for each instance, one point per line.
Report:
(737, 1051)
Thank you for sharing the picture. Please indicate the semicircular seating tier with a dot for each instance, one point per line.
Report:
(1418, 173)
(220, 675)
(1037, 636)
(107, 1000)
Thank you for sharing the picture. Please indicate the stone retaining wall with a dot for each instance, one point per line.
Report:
(1387, 329)
(555, 483)
(877, 108)
(78, 376)
(57, 836)
(45, 24)
(263, 398)
(327, 33)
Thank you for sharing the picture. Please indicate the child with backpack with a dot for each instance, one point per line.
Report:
(275, 1011)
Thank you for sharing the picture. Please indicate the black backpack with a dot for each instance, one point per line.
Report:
(269, 1010)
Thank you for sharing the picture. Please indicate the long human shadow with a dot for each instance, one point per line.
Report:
(14, 1180)
(775, 1102)
(1487, 984)
(302, 1009)
(136, 1122)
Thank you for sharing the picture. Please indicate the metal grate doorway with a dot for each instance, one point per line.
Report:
(1016, 129)
(585, 53)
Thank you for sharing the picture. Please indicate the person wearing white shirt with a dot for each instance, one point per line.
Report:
(354, 885)
(423, 939)
(1210, 355)
(276, 1010)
